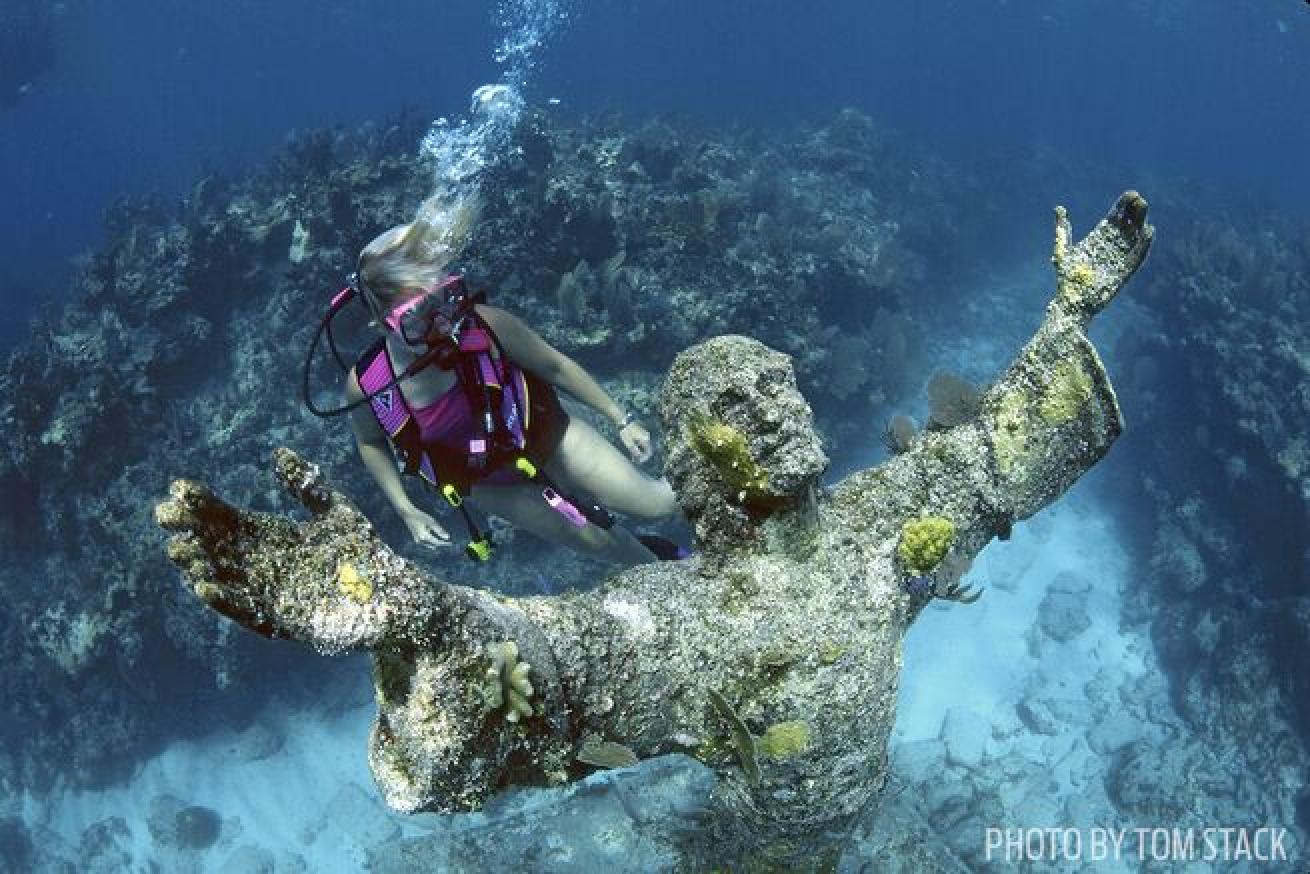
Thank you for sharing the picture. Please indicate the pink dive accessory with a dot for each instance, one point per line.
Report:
(342, 296)
(563, 507)
(393, 318)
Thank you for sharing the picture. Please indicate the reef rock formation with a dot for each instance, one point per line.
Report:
(773, 655)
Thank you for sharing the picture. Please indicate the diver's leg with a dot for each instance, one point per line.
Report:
(524, 507)
(585, 460)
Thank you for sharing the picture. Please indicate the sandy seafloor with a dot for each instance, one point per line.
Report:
(314, 799)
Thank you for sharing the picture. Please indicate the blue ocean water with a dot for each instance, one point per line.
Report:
(1197, 104)
(142, 99)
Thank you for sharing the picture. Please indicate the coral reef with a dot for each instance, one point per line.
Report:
(1225, 600)
(162, 359)
(653, 658)
(645, 241)
(507, 683)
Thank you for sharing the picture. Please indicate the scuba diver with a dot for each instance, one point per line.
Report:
(463, 395)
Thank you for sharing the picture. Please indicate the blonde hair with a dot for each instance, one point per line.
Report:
(418, 253)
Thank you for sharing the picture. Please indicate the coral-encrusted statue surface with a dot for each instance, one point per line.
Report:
(773, 655)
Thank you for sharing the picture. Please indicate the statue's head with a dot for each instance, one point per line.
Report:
(742, 450)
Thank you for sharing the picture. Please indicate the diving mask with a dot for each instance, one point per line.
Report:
(433, 316)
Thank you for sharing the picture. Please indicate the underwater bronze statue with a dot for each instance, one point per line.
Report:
(772, 655)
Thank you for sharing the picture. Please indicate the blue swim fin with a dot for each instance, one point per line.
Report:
(664, 549)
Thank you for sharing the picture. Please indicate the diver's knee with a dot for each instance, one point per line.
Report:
(660, 501)
(592, 540)
(612, 545)
(668, 500)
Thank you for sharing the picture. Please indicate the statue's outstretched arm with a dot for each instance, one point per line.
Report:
(329, 581)
(1049, 417)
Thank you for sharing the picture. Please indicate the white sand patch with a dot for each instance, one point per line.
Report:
(978, 657)
(314, 797)
(977, 663)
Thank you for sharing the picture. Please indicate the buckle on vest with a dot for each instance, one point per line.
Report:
(451, 494)
(480, 549)
(564, 507)
(477, 454)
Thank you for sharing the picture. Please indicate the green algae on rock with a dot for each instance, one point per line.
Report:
(725, 447)
(784, 739)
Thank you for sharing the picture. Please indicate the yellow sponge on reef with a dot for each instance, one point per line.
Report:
(353, 585)
(924, 542)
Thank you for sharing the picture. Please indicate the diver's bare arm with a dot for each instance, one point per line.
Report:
(376, 453)
(382, 466)
(578, 383)
(529, 350)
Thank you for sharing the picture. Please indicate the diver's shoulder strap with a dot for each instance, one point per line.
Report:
(375, 372)
(512, 413)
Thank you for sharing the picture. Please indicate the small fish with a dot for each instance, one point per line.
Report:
(605, 754)
(742, 739)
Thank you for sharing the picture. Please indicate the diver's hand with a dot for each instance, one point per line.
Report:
(425, 530)
(636, 440)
